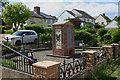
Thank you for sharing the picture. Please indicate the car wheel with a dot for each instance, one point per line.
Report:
(35, 41)
(18, 43)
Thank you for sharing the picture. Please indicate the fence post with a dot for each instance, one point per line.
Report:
(91, 59)
(115, 50)
(119, 49)
(7, 39)
(46, 70)
(109, 51)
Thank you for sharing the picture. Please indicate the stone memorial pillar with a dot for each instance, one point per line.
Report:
(63, 38)
(46, 70)
(91, 59)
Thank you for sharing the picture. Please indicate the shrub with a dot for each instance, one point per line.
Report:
(6, 27)
(45, 38)
(22, 28)
(116, 36)
(111, 31)
(8, 31)
(97, 26)
(8, 63)
(101, 31)
(48, 30)
(37, 28)
(83, 35)
(90, 31)
(100, 45)
(89, 25)
(107, 37)
(93, 41)
(8, 51)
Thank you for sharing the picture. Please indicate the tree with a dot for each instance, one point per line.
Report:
(16, 13)
(101, 33)
(117, 18)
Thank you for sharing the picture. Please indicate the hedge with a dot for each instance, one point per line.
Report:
(36, 27)
(8, 31)
(6, 27)
(101, 31)
(48, 30)
(115, 35)
(90, 31)
(45, 38)
(83, 35)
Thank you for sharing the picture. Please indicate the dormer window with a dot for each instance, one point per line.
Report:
(40, 20)
(32, 19)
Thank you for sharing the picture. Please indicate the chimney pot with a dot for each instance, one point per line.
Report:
(104, 14)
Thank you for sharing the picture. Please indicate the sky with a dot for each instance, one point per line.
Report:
(56, 7)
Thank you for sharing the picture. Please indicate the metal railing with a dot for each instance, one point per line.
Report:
(73, 69)
(17, 61)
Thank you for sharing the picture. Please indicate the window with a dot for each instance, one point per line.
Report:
(32, 33)
(48, 21)
(32, 19)
(102, 22)
(87, 19)
(40, 20)
(44, 20)
(53, 21)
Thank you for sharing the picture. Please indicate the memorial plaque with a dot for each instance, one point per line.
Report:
(69, 38)
(58, 39)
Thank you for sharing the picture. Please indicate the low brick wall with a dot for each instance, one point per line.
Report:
(9, 74)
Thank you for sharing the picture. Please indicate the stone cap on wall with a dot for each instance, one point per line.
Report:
(89, 52)
(45, 64)
(107, 46)
(63, 23)
(115, 44)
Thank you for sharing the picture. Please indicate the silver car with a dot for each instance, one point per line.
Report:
(16, 38)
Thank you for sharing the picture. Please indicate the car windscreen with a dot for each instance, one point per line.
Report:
(18, 33)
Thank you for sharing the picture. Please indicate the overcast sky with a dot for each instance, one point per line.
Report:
(56, 7)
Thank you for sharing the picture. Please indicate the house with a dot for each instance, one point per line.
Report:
(39, 17)
(76, 14)
(102, 19)
(112, 25)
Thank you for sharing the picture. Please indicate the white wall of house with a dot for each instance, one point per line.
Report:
(101, 20)
(112, 25)
(65, 15)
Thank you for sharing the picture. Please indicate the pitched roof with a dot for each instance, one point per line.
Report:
(34, 14)
(46, 16)
(107, 19)
(82, 14)
(42, 15)
(95, 17)
(71, 13)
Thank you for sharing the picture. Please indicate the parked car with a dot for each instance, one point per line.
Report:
(16, 38)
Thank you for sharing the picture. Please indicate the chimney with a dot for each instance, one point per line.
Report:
(104, 14)
(37, 10)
